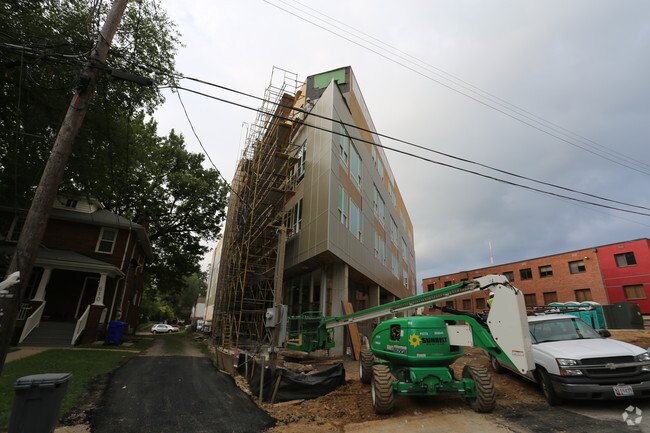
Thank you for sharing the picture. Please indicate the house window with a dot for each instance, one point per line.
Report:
(625, 259)
(635, 291)
(583, 295)
(480, 303)
(16, 228)
(550, 297)
(355, 220)
(509, 275)
(467, 304)
(344, 144)
(70, 203)
(526, 274)
(577, 267)
(106, 241)
(530, 299)
(379, 206)
(343, 206)
(545, 271)
(355, 165)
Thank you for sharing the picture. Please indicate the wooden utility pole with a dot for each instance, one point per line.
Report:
(34, 228)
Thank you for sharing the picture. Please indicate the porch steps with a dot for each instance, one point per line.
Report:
(51, 334)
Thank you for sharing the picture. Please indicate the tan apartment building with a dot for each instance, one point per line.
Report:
(349, 237)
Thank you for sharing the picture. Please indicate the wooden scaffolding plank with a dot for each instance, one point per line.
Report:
(353, 330)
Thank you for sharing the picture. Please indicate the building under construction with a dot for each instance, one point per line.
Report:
(315, 216)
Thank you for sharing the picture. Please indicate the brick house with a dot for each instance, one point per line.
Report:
(605, 274)
(88, 272)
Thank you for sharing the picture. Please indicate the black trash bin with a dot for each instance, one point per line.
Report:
(37, 402)
(115, 332)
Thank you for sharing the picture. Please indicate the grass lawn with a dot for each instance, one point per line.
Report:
(85, 366)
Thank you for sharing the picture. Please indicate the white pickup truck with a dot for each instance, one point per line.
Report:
(574, 361)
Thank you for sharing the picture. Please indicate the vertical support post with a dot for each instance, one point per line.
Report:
(278, 293)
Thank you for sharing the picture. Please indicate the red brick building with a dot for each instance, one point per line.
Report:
(88, 272)
(604, 274)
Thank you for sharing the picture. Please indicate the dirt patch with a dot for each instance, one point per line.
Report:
(351, 404)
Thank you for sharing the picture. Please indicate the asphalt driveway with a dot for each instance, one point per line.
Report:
(165, 394)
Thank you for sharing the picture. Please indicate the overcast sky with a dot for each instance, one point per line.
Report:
(583, 66)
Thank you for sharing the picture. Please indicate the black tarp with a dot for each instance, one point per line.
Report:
(293, 386)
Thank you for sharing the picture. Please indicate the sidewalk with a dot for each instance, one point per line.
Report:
(24, 352)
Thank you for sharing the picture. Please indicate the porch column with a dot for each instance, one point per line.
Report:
(45, 279)
(101, 288)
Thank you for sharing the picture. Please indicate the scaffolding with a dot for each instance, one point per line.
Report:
(261, 187)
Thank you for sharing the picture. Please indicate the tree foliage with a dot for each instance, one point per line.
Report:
(118, 156)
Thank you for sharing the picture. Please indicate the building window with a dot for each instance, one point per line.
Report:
(431, 287)
(635, 291)
(480, 303)
(380, 248)
(393, 231)
(526, 274)
(550, 297)
(447, 283)
(295, 217)
(545, 271)
(298, 170)
(391, 193)
(625, 259)
(577, 267)
(449, 304)
(106, 241)
(467, 304)
(394, 266)
(355, 220)
(344, 144)
(509, 275)
(405, 277)
(16, 228)
(530, 299)
(343, 206)
(583, 295)
(379, 206)
(355, 165)
(405, 250)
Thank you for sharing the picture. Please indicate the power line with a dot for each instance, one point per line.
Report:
(420, 157)
(408, 143)
(505, 110)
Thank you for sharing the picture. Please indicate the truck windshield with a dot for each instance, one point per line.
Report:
(560, 330)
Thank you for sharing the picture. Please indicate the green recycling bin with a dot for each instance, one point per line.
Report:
(37, 402)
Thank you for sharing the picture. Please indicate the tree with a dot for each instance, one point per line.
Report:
(118, 156)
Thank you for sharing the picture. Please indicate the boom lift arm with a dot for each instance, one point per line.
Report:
(508, 338)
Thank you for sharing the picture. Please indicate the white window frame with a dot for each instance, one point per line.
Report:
(101, 239)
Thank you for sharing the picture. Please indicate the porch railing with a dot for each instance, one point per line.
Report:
(32, 322)
(81, 325)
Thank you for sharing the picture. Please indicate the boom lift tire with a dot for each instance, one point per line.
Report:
(365, 366)
(485, 399)
(382, 390)
(552, 397)
(496, 367)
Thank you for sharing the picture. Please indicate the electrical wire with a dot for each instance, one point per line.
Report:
(475, 99)
(418, 156)
(408, 143)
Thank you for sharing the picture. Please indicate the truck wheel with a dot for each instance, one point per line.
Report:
(544, 380)
(382, 389)
(485, 399)
(365, 366)
(494, 363)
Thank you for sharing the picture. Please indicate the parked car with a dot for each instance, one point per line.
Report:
(574, 361)
(162, 328)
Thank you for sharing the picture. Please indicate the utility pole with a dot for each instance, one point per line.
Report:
(33, 230)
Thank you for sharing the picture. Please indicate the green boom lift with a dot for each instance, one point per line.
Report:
(413, 355)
